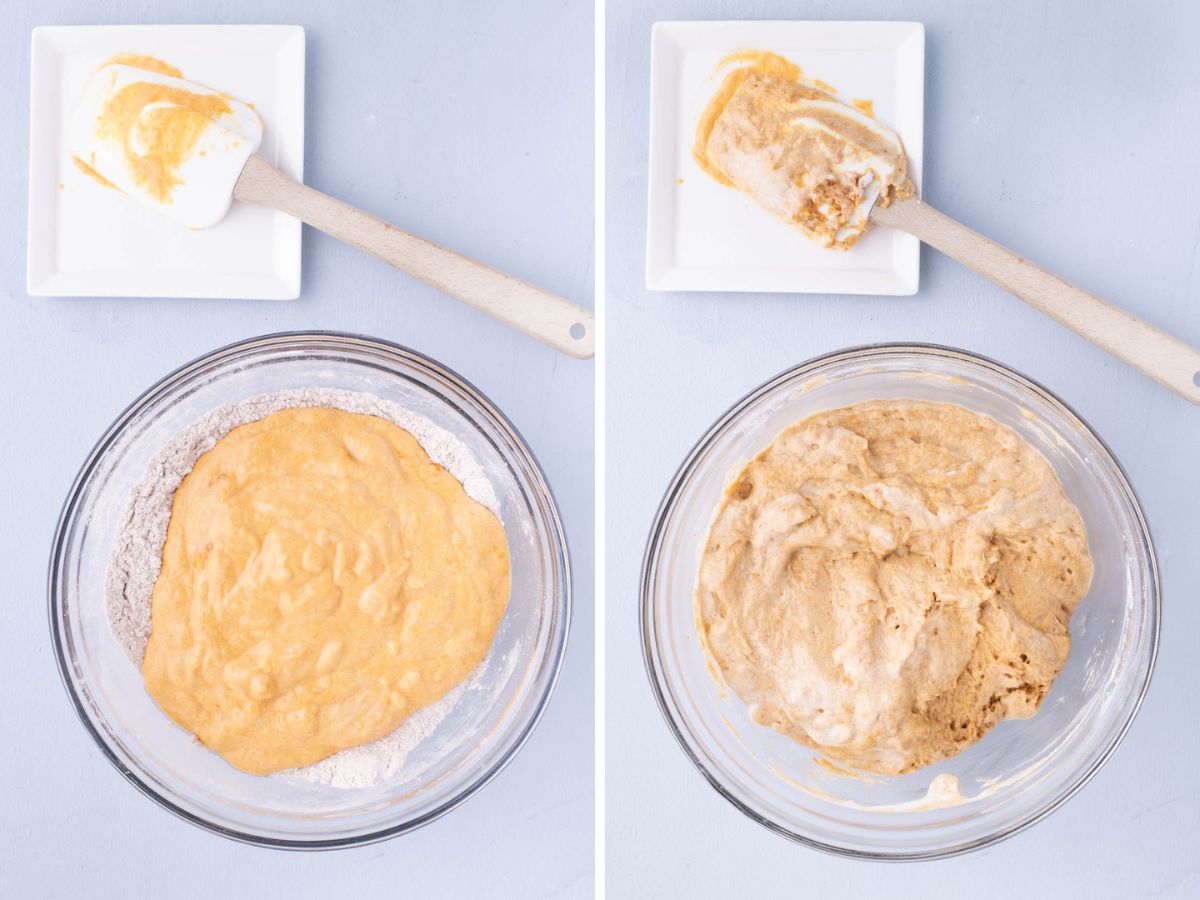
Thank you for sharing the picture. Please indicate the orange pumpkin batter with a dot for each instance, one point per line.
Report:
(159, 126)
(322, 579)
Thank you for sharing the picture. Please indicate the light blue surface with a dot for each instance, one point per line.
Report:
(1065, 130)
(414, 112)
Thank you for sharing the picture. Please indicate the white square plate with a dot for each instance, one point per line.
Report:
(88, 240)
(703, 236)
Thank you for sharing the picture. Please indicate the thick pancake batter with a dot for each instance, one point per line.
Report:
(322, 579)
(887, 581)
(813, 161)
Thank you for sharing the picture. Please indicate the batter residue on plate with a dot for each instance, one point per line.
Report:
(813, 161)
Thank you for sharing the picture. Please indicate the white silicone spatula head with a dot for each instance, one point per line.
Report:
(176, 146)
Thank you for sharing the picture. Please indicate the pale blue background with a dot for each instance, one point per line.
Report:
(411, 115)
(1069, 131)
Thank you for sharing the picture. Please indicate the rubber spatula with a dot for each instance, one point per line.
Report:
(223, 165)
(1166, 359)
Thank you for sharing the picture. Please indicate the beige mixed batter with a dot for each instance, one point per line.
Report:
(813, 161)
(887, 581)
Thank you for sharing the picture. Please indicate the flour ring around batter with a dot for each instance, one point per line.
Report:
(132, 572)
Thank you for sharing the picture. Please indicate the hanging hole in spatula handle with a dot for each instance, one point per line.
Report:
(1163, 357)
(563, 325)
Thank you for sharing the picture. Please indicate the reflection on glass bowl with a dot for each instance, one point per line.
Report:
(1022, 769)
(484, 729)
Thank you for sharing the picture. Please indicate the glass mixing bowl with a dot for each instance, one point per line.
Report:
(1021, 770)
(466, 750)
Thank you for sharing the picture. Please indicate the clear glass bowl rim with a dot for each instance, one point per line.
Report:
(560, 564)
(727, 419)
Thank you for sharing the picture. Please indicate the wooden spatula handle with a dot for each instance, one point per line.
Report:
(1166, 359)
(540, 314)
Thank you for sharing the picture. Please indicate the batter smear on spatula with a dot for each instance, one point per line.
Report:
(815, 162)
(175, 145)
